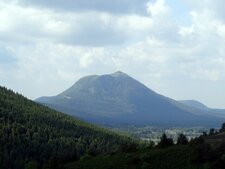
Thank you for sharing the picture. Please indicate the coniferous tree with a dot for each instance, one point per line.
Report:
(211, 131)
(165, 141)
(222, 128)
(182, 140)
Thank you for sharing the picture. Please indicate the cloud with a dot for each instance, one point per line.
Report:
(159, 8)
(31, 25)
(90, 28)
(117, 7)
(6, 55)
(46, 46)
(215, 7)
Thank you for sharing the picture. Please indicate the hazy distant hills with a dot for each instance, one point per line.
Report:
(194, 104)
(119, 99)
(200, 108)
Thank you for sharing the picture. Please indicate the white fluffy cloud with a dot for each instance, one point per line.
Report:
(46, 47)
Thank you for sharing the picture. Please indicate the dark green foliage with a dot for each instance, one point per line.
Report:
(220, 161)
(165, 142)
(182, 140)
(31, 165)
(204, 133)
(33, 136)
(211, 131)
(200, 156)
(202, 153)
(197, 154)
(197, 141)
(175, 157)
(222, 128)
(129, 147)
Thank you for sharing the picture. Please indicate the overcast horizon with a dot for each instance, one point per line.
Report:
(174, 47)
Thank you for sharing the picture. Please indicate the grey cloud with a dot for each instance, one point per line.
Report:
(88, 29)
(93, 38)
(110, 6)
(93, 32)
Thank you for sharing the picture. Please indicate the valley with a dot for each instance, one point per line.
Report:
(150, 133)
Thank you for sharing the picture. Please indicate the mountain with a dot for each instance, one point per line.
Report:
(34, 136)
(199, 107)
(119, 99)
(194, 104)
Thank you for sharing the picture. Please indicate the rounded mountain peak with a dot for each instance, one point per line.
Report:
(107, 85)
(118, 72)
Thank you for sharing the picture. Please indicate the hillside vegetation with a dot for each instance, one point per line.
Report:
(198, 153)
(34, 136)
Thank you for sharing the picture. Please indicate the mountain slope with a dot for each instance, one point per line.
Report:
(118, 98)
(194, 104)
(200, 108)
(34, 135)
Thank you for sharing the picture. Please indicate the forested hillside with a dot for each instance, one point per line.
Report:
(204, 152)
(34, 136)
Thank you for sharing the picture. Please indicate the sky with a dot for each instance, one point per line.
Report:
(175, 47)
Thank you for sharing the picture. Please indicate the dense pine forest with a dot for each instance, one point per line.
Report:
(34, 136)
